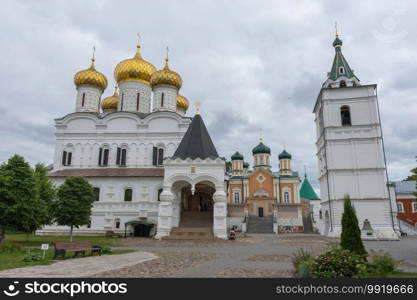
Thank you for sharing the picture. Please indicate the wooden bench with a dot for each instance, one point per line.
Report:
(62, 248)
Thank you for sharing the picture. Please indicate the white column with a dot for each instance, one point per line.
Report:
(165, 212)
(220, 213)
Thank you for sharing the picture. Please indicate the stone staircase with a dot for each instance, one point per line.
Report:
(193, 226)
(260, 224)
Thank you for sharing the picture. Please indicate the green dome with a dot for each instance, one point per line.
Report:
(284, 155)
(246, 165)
(237, 156)
(337, 42)
(261, 148)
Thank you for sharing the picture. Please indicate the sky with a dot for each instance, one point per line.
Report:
(252, 64)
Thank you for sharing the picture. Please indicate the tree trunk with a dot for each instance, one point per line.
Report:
(72, 227)
(27, 237)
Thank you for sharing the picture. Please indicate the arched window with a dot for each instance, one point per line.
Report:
(158, 156)
(342, 83)
(121, 156)
(237, 197)
(121, 102)
(128, 195)
(67, 155)
(345, 115)
(97, 194)
(286, 197)
(159, 194)
(341, 70)
(103, 156)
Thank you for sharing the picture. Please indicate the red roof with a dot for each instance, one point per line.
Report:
(110, 172)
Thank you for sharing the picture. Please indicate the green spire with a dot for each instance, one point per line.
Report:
(340, 66)
(307, 191)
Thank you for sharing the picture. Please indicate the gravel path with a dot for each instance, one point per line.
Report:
(81, 267)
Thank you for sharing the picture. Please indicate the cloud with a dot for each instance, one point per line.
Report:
(252, 64)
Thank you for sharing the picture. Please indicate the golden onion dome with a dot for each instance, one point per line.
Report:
(182, 103)
(166, 77)
(109, 104)
(135, 68)
(91, 76)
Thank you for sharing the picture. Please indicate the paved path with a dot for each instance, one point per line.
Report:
(267, 255)
(80, 267)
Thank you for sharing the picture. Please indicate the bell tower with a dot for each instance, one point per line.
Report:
(350, 152)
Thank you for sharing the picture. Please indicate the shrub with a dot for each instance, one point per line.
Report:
(302, 261)
(300, 256)
(381, 263)
(8, 247)
(32, 256)
(337, 263)
(304, 269)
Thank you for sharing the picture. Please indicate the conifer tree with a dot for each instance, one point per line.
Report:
(351, 233)
(74, 202)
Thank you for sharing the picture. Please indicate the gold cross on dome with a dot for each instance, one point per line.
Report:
(94, 53)
(138, 35)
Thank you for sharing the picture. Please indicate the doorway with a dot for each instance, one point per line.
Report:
(260, 211)
(142, 230)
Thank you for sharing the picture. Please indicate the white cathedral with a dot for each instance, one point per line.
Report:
(149, 163)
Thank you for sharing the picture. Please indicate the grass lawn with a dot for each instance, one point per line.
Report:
(15, 260)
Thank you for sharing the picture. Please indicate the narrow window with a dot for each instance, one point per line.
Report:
(128, 195)
(64, 158)
(137, 101)
(154, 156)
(286, 197)
(105, 157)
(345, 115)
(160, 156)
(159, 194)
(121, 102)
(341, 70)
(414, 205)
(162, 99)
(97, 194)
(119, 150)
(100, 156)
(117, 223)
(69, 159)
(83, 100)
(123, 157)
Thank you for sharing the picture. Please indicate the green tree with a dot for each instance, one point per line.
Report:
(74, 202)
(4, 204)
(413, 175)
(47, 192)
(23, 210)
(351, 233)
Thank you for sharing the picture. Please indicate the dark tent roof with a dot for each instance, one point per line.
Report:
(196, 142)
